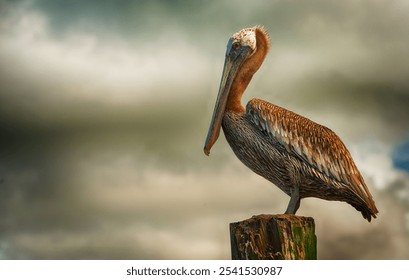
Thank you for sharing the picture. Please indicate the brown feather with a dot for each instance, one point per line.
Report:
(317, 146)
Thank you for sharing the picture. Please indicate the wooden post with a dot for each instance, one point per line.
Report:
(274, 237)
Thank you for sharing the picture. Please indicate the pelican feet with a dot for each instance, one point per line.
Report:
(294, 203)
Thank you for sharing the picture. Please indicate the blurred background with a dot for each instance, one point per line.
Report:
(105, 105)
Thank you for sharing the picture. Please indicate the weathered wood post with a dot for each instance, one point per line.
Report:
(274, 237)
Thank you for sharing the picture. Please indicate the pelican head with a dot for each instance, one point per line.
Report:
(240, 48)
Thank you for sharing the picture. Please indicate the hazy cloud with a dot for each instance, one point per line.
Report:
(104, 107)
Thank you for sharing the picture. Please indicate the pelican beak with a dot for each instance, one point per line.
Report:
(234, 60)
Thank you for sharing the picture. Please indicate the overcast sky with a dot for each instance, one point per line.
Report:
(105, 105)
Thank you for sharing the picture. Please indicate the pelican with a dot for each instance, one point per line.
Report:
(301, 157)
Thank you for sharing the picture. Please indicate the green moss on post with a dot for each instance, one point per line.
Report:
(274, 237)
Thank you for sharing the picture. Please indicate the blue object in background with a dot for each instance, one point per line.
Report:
(400, 156)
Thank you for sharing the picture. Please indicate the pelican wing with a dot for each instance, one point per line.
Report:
(317, 146)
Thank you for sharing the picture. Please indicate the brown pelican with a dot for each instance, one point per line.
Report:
(301, 157)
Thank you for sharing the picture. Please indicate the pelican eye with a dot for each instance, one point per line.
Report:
(236, 45)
